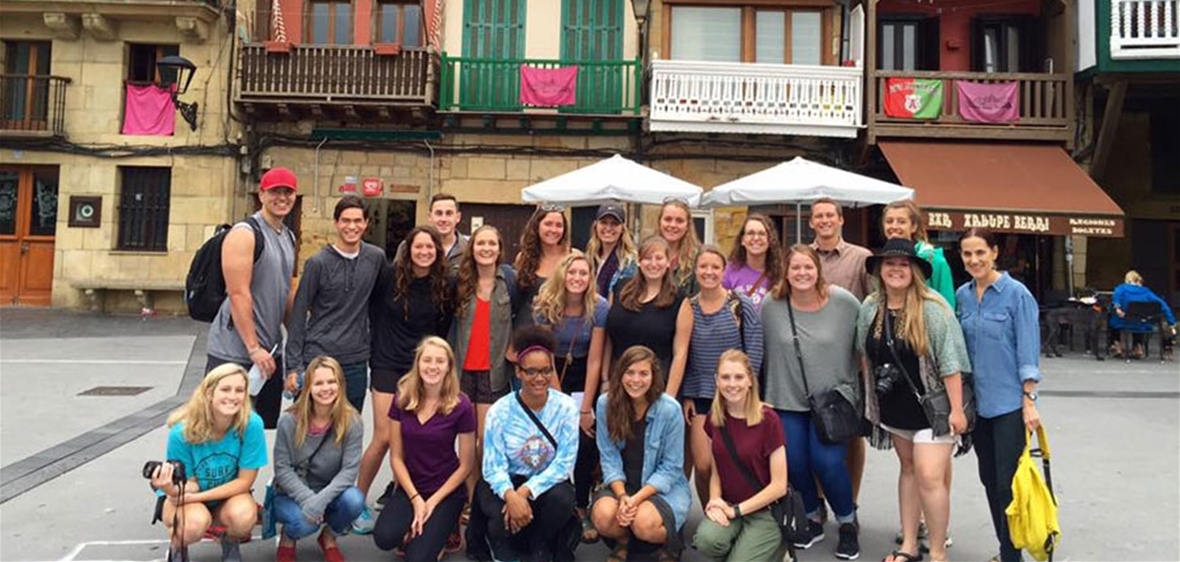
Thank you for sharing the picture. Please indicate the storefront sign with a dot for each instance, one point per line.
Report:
(1025, 223)
(85, 211)
(349, 185)
(372, 187)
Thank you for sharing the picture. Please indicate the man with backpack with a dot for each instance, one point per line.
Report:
(247, 329)
(331, 312)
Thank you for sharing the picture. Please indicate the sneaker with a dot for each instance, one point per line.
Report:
(388, 493)
(364, 523)
(815, 533)
(231, 551)
(849, 546)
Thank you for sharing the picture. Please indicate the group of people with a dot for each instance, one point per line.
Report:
(565, 396)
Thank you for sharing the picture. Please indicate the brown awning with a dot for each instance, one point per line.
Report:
(1024, 188)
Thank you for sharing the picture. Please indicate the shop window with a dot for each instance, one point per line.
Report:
(144, 201)
(328, 22)
(907, 43)
(141, 63)
(398, 22)
(747, 34)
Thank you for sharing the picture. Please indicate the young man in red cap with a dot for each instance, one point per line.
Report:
(248, 328)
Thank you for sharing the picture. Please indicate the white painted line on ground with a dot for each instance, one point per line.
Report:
(135, 542)
(95, 361)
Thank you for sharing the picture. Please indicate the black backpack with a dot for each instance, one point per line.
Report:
(204, 288)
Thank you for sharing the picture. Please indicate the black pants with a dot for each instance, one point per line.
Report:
(269, 402)
(574, 380)
(999, 442)
(551, 513)
(395, 520)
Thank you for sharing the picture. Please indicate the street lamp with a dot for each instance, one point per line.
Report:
(183, 70)
(640, 7)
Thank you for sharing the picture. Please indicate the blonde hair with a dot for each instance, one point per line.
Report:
(197, 413)
(550, 300)
(1133, 278)
(689, 245)
(342, 412)
(625, 249)
(915, 213)
(411, 391)
(753, 405)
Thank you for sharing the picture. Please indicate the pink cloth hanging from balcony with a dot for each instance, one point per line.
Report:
(548, 87)
(148, 111)
(988, 103)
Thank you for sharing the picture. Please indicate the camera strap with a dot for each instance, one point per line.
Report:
(887, 327)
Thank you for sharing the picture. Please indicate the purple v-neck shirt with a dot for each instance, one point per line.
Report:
(433, 443)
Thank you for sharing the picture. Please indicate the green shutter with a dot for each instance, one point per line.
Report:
(592, 30)
(493, 30)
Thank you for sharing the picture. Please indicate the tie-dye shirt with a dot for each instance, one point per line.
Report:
(513, 445)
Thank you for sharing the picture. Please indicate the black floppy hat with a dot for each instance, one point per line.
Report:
(897, 248)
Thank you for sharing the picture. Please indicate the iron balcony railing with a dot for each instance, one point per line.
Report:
(33, 104)
(604, 87)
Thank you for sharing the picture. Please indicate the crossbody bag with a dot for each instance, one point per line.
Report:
(836, 418)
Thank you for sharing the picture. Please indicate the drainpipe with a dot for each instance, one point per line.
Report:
(430, 175)
(316, 171)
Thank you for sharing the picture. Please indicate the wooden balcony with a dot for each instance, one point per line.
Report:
(603, 88)
(1144, 29)
(32, 106)
(1045, 113)
(780, 99)
(324, 80)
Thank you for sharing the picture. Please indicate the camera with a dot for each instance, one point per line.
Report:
(887, 375)
(178, 475)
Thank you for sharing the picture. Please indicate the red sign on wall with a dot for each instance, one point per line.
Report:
(372, 186)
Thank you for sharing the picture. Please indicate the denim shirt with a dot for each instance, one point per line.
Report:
(663, 458)
(1003, 336)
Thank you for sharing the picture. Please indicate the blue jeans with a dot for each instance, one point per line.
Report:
(804, 449)
(356, 378)
(339, 515)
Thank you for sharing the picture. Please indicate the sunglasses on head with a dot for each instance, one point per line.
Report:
(676, 199)
(553, 208)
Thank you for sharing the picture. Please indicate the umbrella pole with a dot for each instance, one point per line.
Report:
(798, 223)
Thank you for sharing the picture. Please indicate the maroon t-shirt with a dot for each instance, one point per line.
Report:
(433, 444)
(754, 446)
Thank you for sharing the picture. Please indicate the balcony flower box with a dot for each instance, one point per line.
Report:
(387, 49)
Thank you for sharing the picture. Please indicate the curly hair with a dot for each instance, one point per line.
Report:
(534, 336)
(633, 291)
(550, 300)
(468, 277)
(440, 290)
(774, 248)
(620, 408)
(197, 413)
(783, 289)
(343, 414)
(411, 390)
(529, 257)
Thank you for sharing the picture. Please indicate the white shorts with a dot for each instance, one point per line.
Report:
(922, 436)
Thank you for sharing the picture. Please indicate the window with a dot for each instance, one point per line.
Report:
(144, 200)
(141, 63)
(329, 22)
(1004, 44)
(747, 34)
(908, 44)
(398, 22)
(24, 98)
(1165, 145)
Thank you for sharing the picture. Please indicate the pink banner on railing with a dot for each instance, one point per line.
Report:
(988, 103)
(148, 111)
(548, 87)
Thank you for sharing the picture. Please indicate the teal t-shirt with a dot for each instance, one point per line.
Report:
(214, 463)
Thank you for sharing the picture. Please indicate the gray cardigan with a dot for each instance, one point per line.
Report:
(501, 330)
(333, 470)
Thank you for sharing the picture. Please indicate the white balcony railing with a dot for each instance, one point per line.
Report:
(781, 99)
(1144, 29)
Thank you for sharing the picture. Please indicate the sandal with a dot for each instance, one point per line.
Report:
(589, 533)
(454, 542)
(618, 553)
(903, 556)
(465, 515)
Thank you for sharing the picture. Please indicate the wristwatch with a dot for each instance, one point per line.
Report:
(1032, 395)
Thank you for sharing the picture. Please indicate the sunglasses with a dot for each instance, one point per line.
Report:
(676, 199)
(552, 208)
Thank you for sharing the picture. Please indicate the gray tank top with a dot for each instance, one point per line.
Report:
(269, 286)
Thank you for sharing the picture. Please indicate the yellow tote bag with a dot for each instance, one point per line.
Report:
(1032, 515)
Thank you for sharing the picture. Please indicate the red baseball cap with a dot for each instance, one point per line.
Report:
(278, 177)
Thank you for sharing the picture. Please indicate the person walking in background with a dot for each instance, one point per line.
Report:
(676, 228)
(1000, 321)
(317, 458)
(428, 417)
(260, 289)
(331, 312)
(718, 320)
(640, 438)
(611, 249)
(809, 328)
(413, 298)
(911, 347)
(221, 444)
(756, 262)
(747, 448)
(569, 304)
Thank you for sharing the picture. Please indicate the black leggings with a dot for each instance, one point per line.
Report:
(584, 481)
(551, 511)
(395, 520)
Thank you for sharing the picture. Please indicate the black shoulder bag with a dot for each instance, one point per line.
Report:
(788, 512)
(836, 418)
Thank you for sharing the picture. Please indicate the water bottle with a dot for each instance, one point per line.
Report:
(255, 380)
(298, 387)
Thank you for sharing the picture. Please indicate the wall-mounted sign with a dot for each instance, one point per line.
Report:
(85, 211)
(1026, 223)
(349, 185)
(372, 186)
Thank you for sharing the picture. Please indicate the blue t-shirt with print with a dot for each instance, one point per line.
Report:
(214, 463)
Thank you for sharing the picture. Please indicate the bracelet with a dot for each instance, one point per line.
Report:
(587, 412)
(253, 349)
(415, 496)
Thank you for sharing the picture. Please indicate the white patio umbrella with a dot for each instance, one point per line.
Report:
(615, 179)
(802, 181)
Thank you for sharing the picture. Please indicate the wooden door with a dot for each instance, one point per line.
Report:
(510, 220)
(28, 223)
